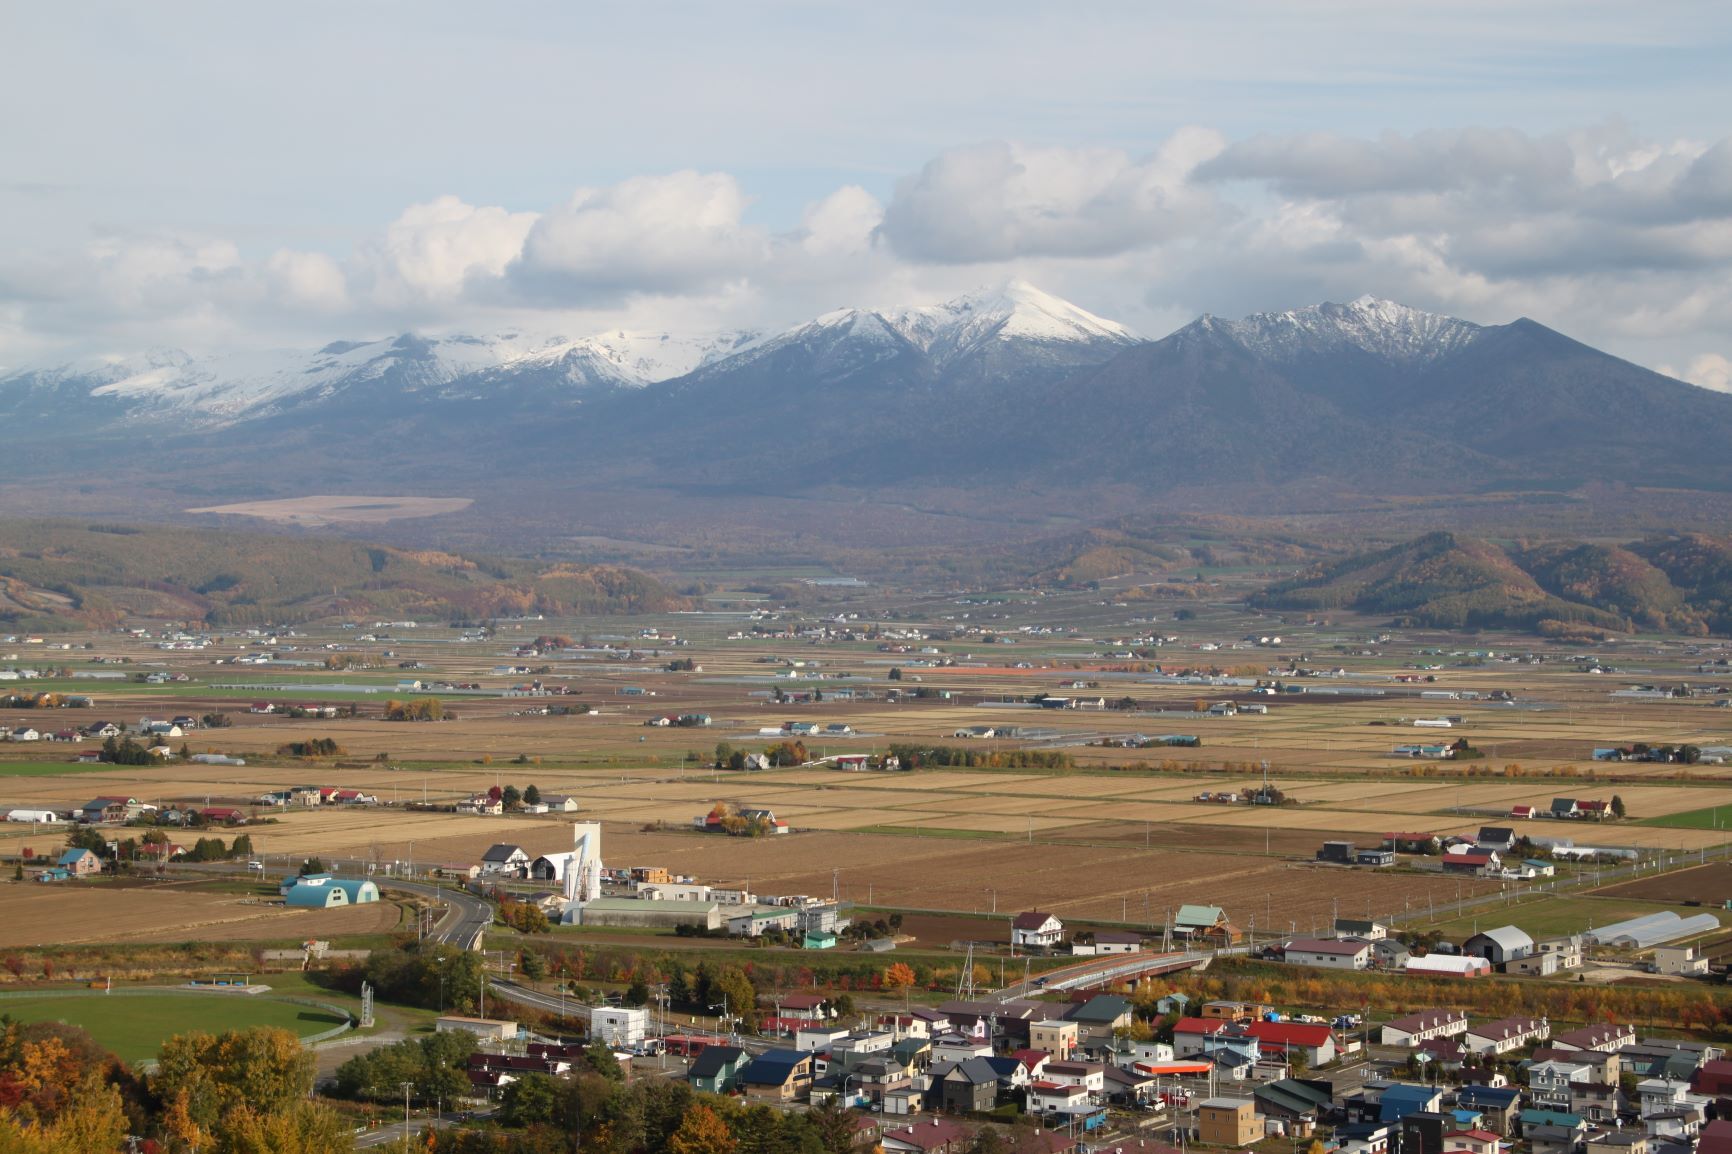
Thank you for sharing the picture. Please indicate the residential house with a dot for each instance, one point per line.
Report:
(1471, 1142)
(932, 1136)
(109, 809)
(1496, 837)
(1204, 923)
(1470, 862)
(1568, 948)
(970, 1085)
(1616, 1142)
(1057, 1038)
(777, 1076)
(1045, 1096)
(1680, 961)
(1228, 1122)
(79, 863)
(1299, 1102)
(1331, 954)
(1551, 1082)
(1598, 1101)
(1497, 1106)
(1117, 942)
(1097, 1017)
(1367, 931)
(1505, 1034)
(505, 860)
(1036, 930)
(1411, 1029)
(1606, 1039)
(1564, 807)
(1389, 954)
(1194, 1037)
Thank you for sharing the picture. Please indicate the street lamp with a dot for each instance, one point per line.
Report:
(407, 1086)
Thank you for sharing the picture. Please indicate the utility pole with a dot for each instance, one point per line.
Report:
(406, 1088)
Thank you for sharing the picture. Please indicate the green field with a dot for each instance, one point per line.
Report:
(1716, 817)
(134, 1025)
(1554, 916)
(49, 768)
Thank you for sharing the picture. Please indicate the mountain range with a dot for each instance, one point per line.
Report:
(1006, 391)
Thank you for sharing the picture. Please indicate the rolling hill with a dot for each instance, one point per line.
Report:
(1679, 584)
(56, 574)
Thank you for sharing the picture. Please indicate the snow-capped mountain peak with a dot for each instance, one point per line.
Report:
(1395, 332)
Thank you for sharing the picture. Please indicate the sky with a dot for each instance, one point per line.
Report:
(233, 176)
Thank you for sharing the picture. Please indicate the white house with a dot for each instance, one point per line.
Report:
(1505, 1034)
(1036, 929)
(505, 859)
(1412, 1029)
(1328, 954)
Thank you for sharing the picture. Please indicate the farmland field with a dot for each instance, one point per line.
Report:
(134, 1024)
(72, 913)
(326, 510)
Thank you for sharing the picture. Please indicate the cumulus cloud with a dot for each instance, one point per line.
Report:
(1620, 240)
(438, 251)
(1002, 201)
(679, 233)
(309, 280)
(1710, 370)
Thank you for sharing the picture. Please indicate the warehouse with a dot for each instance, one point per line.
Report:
(630, 913)
(1447, 966)
(318, 893)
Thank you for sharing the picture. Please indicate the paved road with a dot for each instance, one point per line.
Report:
(466, 916)
(392, 1135)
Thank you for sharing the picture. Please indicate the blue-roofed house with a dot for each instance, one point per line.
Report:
(778, 1076)
(79, 863)
(1404, 1098)
(1497, 1105)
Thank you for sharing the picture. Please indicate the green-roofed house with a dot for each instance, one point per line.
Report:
(819, 940)
(1204, 924)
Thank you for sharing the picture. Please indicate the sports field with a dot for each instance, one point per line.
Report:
(134, 1025)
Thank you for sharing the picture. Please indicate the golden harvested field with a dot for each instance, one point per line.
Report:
(1330, 754)
(73, 913)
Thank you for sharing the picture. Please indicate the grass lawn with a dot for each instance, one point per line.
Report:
(134, 1026)
(1552, 916)
(1716, 817)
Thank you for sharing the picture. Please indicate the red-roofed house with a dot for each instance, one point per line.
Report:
(1470, 863)
(1036, 929)
(1471, 1141)
(1521, 811)
(933, 1136)
(223, 814)
(1033, 1061)
(1317, 1043)
(1328, 953)
(1045, 1096)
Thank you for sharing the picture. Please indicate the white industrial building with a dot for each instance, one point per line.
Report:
(622, 1027)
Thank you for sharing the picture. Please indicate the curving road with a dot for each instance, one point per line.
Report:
(466, 916)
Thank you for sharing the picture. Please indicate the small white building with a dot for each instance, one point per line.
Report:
(1683, 961)
(35, 816)
(1037, 930)
(1328, 953)
(622, 1027)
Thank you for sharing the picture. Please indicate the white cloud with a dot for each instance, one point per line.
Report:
(1710, 370)
(309, 280)
(435, 252)
(675, 234)
(1003, 201)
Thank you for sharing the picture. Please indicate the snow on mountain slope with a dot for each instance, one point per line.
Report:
(1395, 332)
(1016, 312)
(235, 386)
(1038, 324)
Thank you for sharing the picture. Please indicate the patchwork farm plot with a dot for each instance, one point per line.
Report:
(1115, 827)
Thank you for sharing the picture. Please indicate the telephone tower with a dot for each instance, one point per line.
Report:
(965, 991)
